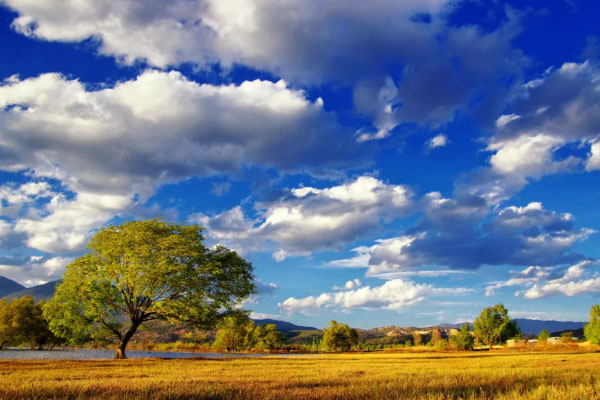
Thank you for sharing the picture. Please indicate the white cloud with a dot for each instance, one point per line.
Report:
(311, 219)
(351, 284)
(107, 146)
(561, 107)
(547, 281)
(396, 294)
(36, 270)
(528, 156)
(571, 288)
(593, 161)
(437, 141)
(284, 39)
(13, 198)
(505, 119)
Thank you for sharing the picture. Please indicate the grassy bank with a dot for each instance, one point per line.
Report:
(346, 376)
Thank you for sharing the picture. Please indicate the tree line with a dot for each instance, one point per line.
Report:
(22, 323)
(142, 271)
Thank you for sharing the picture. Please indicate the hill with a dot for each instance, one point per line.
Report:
(8, 286)
(284, 326)
(578, 333)
(40, 292)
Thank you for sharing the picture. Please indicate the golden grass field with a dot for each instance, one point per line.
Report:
(477, 375)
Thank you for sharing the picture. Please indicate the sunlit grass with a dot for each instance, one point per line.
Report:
(345, 376)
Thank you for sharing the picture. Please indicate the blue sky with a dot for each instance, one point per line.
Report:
(379, 163)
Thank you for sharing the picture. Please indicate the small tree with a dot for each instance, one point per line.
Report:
(417, 338)
(543, 336)
(268, 337)
(493, 326)
(339, 337)
(436, 335)
(235, 332)
(463, 340)
(592, 330)
(142, 271)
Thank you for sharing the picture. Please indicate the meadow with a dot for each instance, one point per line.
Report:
(402, 375)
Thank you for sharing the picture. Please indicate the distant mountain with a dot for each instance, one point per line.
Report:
(535, 326)
(284, 326)
(40, 292)
(8, 286)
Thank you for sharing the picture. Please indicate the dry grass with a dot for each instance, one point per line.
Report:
(346, 376)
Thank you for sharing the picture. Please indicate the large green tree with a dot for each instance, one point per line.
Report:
(339, 337)
(494, 326)
(141, 271)
(592, 330)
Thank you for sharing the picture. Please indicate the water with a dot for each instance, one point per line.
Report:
(87, 354)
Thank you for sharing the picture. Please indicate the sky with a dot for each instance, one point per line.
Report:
(379, 163)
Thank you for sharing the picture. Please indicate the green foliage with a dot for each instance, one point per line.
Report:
(142, 271)
(22, 323)
(436, 335)
(543, 336)
(592, 330)
(441, 344)
(463, 340)
(339, 337)
(268, 337)
(235, 332)
(493, 326)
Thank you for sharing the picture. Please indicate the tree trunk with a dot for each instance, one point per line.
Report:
(491, 346)
(120, 351)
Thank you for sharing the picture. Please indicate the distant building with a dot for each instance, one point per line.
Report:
(516, 343)
(554, 340)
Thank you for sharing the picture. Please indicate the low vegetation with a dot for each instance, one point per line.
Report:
(466, 375)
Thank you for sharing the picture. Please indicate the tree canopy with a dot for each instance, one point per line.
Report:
(22, 322)
(237, 332)
(592, 330)
(141, 271)
(339, 337)
(463, 340)
(494, 325)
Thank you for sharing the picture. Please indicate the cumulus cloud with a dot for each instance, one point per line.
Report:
(107, 146)
(457, 233)
(351, 284)
(396, 294)
(394, 71)
(310, 219)
(558, 108)
(542, 282)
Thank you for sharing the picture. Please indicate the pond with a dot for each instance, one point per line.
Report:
(88, 354)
